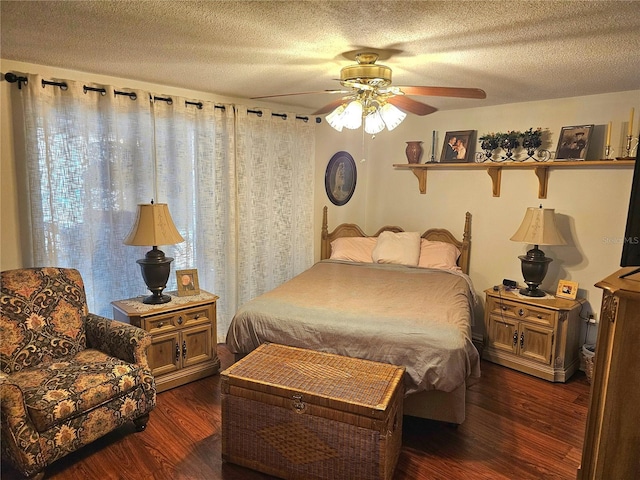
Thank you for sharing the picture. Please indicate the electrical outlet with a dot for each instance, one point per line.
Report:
(592, 318)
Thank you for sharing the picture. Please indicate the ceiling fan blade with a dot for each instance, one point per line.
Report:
(410, 105)
(300, 93)
(444, 92)
(329, 107)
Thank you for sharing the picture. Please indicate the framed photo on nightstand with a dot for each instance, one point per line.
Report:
(567, 289)
(187, 282)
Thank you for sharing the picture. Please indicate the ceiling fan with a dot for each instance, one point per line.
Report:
(368, 94)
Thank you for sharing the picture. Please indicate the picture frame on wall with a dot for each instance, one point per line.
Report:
(567, 289)
(458, 146)
(573, 143)
(340, 178)
(187, 282)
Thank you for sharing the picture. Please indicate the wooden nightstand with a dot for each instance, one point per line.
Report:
(534, 336)
(184, 343)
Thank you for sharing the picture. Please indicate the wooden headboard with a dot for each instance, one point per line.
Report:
(433, 234)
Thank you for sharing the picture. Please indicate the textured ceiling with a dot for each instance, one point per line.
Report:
(514, 50)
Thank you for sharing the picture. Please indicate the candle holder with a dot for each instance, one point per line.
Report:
(629, 149)
(607, 152)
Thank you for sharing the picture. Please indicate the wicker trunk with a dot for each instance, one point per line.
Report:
(300, 414)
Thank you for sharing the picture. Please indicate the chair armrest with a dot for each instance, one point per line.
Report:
(118, 339)
(11, 398)
(20, 438)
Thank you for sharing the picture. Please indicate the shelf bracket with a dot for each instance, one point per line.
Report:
(496, 177)
(542, 172)
(421, 174)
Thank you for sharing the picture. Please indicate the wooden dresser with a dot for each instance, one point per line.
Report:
(533, 335)
(611, 448)
(184, 343)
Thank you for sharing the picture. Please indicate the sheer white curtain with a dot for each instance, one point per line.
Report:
(88, 163)
(239, 188)
(196, 176)
(275, 169)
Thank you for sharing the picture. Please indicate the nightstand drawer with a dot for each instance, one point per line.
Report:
(164, 323)
(161, 323)
(522, 311)
(196, 316)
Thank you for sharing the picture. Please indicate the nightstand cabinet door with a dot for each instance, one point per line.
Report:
(183, 331)
(535, 336)
(535, 343)
(196, 345)
(163, 354)
(503, 334)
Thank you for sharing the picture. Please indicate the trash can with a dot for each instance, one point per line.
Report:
(588, 352)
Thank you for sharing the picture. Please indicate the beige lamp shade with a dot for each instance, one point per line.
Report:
(539, 228)
(153, 227)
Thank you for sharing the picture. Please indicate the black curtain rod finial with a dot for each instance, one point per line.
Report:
(13, 78)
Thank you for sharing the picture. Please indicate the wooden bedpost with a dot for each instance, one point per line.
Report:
(466, 244)
(324, 244)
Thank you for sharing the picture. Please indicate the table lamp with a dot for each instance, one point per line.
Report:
(153, 227)
(538, 228)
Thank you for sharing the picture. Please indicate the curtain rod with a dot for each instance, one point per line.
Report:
(13, 78)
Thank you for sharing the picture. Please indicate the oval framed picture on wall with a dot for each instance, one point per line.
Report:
(340, 178)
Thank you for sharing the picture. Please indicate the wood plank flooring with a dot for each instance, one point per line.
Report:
(517, 427)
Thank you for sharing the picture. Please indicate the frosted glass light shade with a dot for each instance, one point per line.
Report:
(391, 115)
(153, 227)
(539, 228)
(373, 123)
(335, 118)
(352, 118)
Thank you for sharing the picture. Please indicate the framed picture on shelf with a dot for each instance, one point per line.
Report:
(340, 178)
(574, 142)
(459, 146)
(567, 289)
(187, 282)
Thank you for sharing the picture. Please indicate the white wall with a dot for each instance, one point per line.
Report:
(591, 203)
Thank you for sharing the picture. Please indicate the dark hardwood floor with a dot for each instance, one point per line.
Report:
(517, 427)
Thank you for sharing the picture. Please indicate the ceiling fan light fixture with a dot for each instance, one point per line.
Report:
(373, 123)
(352, 118)
(391, 115)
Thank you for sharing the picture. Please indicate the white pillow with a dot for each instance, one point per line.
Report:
(400, 248)
(438, 255)
(353, 249)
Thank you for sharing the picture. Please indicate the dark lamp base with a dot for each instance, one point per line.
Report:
(156, 299)
(534, 269)
(532, 293)
(155, 271)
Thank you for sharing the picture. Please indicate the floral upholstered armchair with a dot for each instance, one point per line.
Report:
(67, 377)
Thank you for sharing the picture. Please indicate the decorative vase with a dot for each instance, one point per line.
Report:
(414, 151)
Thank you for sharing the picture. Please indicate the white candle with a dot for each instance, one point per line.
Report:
(631, 122)
(608, 142)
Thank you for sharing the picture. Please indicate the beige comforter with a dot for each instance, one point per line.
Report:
(415, 317)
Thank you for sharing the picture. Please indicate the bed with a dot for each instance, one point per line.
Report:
(419, 317)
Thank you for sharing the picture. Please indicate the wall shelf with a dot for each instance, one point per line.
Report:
(494, 170)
